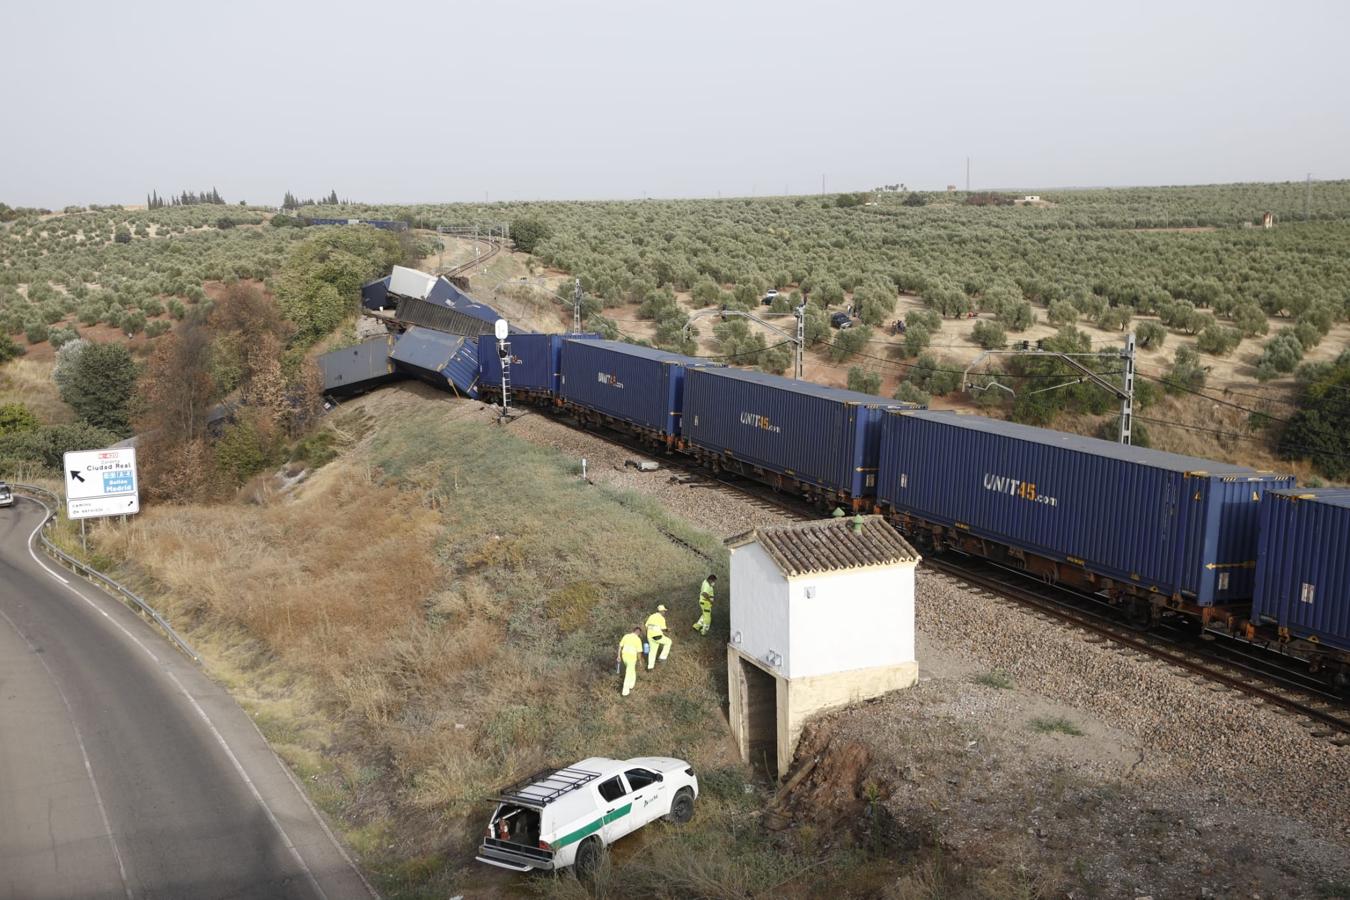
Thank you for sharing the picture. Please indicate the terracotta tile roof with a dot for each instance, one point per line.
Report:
(830, 545)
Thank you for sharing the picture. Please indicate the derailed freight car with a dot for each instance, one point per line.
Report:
(1303, 574)
(637, 389)
(535, 363)
(1148, 529)
(818, 441)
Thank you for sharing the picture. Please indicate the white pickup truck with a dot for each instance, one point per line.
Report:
(6, 497)
(564, 817)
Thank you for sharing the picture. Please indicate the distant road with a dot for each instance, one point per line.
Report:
(124, 771)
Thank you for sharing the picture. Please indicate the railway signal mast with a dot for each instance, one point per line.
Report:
(1124, 391)
(502, 332)
(576, 307)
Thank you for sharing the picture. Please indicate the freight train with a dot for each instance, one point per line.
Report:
(1159, 535)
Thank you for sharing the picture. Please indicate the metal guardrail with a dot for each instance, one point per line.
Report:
(87, 571)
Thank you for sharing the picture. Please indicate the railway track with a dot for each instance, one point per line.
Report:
(1227, 667)
(494, 247)
(1292, 692)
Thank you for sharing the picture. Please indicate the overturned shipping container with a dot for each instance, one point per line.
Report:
(444, 360)
(1149, 521)
(1303, 567)
(356, 369)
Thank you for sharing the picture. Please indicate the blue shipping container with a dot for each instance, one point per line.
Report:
(375, 295)
(438, 358)
(1303, 567)
(823, 436)
(536, 360)
(637, 385)
(1164, 522)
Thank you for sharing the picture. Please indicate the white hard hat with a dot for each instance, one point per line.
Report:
(661, 607)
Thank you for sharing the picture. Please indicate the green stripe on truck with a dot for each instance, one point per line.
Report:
(588, 830)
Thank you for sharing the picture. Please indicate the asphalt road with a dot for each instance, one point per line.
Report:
(124, 771)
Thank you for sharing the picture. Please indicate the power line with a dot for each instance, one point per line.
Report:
(1239, 436)
(1219, 400)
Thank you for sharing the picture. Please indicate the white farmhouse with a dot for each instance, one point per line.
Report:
(822, 615)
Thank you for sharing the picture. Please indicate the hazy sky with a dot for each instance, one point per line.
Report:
(407, 101)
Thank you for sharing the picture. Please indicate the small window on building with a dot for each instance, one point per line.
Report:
(1223, 581)
(809, 592)
(612, 789)
(639, 778)
(1306, 596)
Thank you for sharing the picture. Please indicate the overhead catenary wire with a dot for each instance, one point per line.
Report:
(1239, 436)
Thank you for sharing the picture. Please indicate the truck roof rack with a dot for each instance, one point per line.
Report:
(544, 787)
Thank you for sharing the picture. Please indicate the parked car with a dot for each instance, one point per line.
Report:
(841, 320)
(564, 817)
(769, 297)
(6, 496)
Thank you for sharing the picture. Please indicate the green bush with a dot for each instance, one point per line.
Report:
(989, 335)
(1186, 372)
(98, 386)
(1017, 316)
(917, 339)
(1280, 356)
(863, 380)
(1150, 335)
(1218, 340)
(15, 417)
(907, 392)
(849, 342)
(8, 348)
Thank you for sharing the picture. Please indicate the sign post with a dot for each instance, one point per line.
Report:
(101, 483)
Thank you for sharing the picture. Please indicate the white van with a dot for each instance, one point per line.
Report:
(564, 817)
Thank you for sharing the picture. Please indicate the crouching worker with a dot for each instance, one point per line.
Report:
(629, 649)
(657, 637)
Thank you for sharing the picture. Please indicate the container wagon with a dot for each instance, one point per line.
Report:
(635, 389)
(536, 361)
(819, 441)
(1302, 596)
(1149, 530)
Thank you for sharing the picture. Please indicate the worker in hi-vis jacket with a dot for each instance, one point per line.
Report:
(630, 646)
(657, 637)
(705, 602)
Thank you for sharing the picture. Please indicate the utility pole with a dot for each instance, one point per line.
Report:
(800, 313)
(576, 306)
(1127, 399)
(1125, 391)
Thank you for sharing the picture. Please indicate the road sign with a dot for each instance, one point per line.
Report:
(101, 483)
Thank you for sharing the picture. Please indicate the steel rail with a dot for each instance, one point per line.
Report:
(1200, 663)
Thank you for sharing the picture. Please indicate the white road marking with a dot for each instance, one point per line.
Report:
(253, 789)
(84, 754)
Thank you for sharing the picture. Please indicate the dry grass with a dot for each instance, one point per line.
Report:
(29, 381)
(431, 615)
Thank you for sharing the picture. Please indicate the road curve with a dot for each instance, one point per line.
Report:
(124, 771)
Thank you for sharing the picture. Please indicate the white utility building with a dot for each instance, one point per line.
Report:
(822, 615)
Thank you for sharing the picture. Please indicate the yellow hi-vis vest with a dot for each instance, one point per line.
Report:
(656, 625)
(705, 593)
(630, 646)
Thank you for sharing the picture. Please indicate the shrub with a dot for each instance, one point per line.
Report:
(98, 386)
(927, 318)
(15, 417)
(1016, 316)
(157, 327)
(1186, 372)
(862, 380)
(933, 377)
(1250, 319)
(907, 392)
(989, 335)
(849, 341)
(1281, 355)
(1115, 318)
(1150, 334)
(35, 331)
(917, 339)
(1062, 312)
(528, 232)
(1218, 340)
(8, 348)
